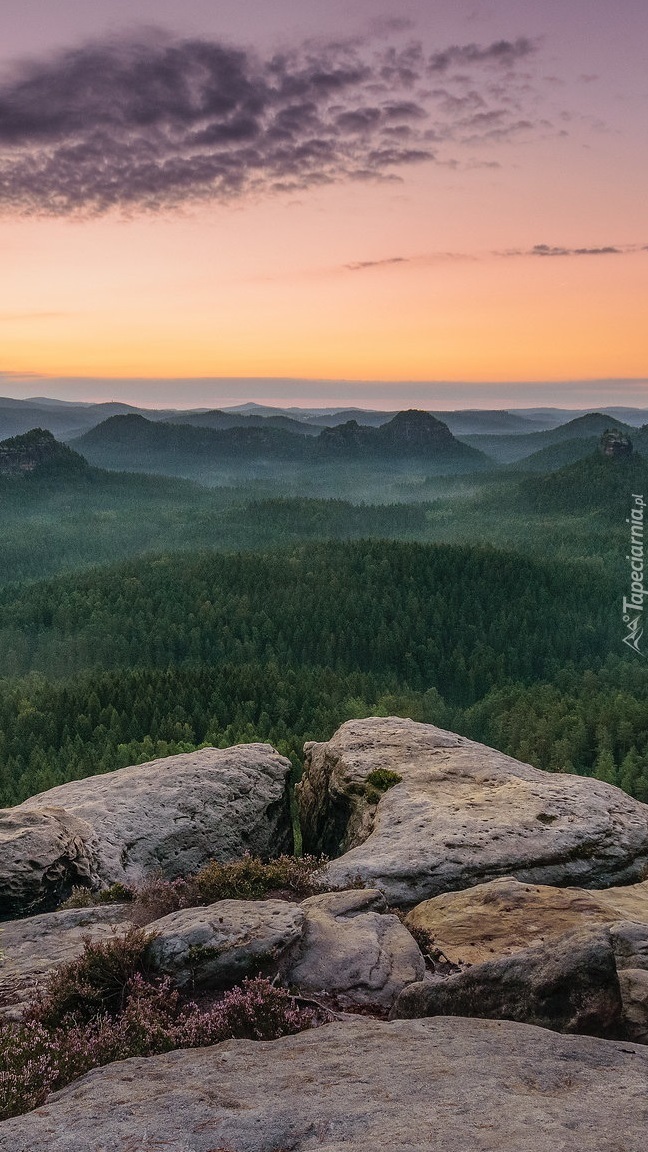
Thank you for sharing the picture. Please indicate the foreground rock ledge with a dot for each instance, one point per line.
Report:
(412, 1086)
(169, 816)
(461, 814)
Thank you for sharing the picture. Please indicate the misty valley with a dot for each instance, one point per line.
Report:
(168, 584)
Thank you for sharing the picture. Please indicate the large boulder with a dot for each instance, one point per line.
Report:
(340, 944)
(43, 853)
(504, 916)
(353, 951)
(458, 813)
(354, 1086)
(569, 985)
(218, 945)
(31, 949)
(169, 816)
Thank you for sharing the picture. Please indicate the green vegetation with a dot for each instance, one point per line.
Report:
(154, 657)
(483, 603)
(382, 779)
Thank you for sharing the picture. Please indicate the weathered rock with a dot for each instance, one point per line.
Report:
(463, 813)
(569, 985)
(31, 949)
(630, 943)
(352, 950)
(43, 853)
(354, 1086)
(633, 983)
(218, 945)
(504, 916)
(169, 816)
(628, 903)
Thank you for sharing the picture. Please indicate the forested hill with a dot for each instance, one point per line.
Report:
(598, 483)
(131, 441)
(36, 455)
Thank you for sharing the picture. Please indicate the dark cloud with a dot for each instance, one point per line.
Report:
(361, 265)
(503, 54)
(156, 122)
(547, 250)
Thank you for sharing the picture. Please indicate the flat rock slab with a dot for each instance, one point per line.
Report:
(34, 947)
(217, 946)
(461, 814)
(170, 816)
(352, 950)
(412, 1086)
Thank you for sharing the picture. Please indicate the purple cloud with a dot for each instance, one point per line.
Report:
(155, 122)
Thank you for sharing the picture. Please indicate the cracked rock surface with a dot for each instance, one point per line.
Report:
(461, 814)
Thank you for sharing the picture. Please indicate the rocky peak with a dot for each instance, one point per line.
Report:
(37, 451)
(415, 429)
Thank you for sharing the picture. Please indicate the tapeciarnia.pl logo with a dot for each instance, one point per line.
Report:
(633, 605)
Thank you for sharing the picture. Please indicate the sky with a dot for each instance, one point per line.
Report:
(435, 202)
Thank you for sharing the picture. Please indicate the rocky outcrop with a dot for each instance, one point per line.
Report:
(428, 1085)
(593, 981)
(461, 813)
(169, 816)
(340, 944)
(219, 945)
(32, 948)
(505, 916)
(43, 852)
(354, 952)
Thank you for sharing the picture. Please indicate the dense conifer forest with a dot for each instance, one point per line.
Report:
(158, 655)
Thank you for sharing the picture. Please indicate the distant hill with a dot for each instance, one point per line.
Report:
(132, 442)
(38, 455)
(506, 449)
(556, 456)
(221, 420)
(597, 483)
(412, 434)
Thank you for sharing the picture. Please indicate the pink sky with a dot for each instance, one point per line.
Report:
(478, 214)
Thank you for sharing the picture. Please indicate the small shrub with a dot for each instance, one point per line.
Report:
(86, 898)
(96, 982)
(382, 779)
(251, 879)
(158, 897)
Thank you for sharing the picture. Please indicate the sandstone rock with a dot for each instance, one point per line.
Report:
(355, 1086)
(169, 816)
(218, 945)
(630, 943)
(627, 903)
(504, 916)
(43, 853)
(569, 985)
(352, 950)
(633, 983)
(33, 948)
(463, 813)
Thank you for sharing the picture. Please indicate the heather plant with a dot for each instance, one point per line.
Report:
(38, 1056)
(246, 879)
(249, 878)
(97, 982)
